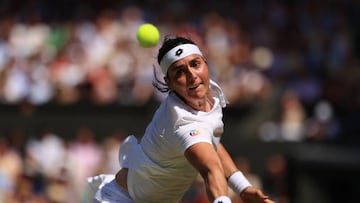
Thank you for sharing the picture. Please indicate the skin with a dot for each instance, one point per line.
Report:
(189, 78)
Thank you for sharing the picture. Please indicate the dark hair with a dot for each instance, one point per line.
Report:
(168, 44)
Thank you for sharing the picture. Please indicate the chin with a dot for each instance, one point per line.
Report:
(198, 95)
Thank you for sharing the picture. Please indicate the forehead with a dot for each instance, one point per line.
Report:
(186, 60)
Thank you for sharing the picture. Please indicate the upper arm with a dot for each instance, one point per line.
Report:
(203, 157)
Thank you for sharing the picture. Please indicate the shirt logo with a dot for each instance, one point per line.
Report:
(194, 132)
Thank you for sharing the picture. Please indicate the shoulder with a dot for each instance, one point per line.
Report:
(176, 106)
(217, 92)
(171, 113)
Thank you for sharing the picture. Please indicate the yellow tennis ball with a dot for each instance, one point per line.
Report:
(148, 35)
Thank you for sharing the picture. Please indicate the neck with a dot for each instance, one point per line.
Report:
(204, 105)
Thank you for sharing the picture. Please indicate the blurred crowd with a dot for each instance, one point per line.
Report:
(47, 168)
(294, 65)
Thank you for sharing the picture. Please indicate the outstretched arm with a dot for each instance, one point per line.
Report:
(238, 182)
(205, 159)
(215, 167)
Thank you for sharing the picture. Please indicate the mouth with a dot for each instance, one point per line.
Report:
(195, 86)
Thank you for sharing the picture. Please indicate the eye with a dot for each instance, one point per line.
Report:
(195, 63)
(179, 72)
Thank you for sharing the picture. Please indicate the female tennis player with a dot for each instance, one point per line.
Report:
(181, 141)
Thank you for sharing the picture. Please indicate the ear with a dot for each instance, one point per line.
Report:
(166, 79)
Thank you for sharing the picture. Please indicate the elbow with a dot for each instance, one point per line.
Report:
(215, 171)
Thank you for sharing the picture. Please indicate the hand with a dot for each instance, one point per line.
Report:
(254, 195)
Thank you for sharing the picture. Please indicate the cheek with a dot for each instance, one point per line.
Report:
(176, 83)
(205, 76)
(179, 84)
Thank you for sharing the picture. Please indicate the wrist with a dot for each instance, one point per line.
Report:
(238, 182)
(222, 199)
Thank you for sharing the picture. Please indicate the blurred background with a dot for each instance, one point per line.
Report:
(74, 82)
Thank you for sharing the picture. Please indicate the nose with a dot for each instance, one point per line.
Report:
(191, 74)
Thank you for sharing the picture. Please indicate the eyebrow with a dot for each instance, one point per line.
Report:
(174, 68)
(196, 58)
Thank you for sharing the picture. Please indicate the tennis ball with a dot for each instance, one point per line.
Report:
(147, 35)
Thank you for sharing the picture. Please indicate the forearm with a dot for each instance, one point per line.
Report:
(205, 159)
(227, 162)
(236, 180)
(216, 184)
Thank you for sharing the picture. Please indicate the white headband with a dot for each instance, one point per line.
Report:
(177, 53)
